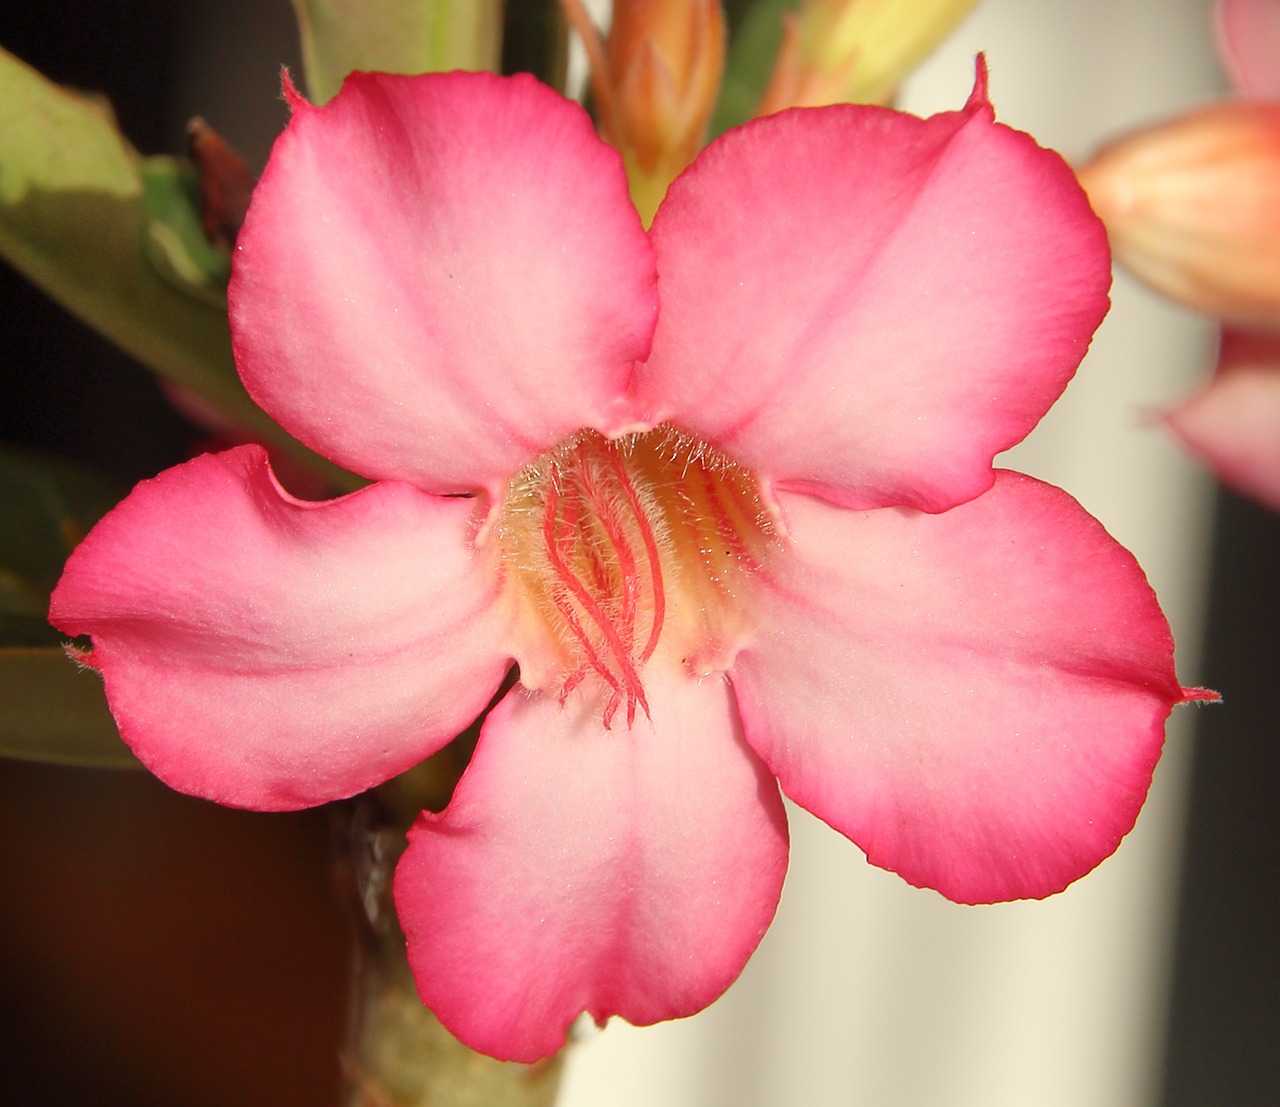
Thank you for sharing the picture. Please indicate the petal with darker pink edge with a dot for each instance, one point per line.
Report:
(440, 277)
(976, 698)
(620, 872)
(869, 306)
(1233, 423)
(272, 653)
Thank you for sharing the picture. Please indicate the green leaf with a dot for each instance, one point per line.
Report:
(50, 710)
(74, 218)
(395, 36)
(752, 53)
(46, 506)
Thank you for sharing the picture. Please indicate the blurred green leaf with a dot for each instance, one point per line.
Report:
(395, 36)
(46, 506)
(752, 53)
(176, 245)
(74, 218)
(52, 711)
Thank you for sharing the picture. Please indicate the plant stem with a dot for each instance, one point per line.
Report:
(397, 1054)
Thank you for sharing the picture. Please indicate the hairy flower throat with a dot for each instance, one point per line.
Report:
(619, 545)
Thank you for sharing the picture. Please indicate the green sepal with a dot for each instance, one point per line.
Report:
(51, 710)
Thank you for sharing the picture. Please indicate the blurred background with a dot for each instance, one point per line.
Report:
(156, 949)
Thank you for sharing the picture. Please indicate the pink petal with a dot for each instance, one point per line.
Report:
(869, 306)
(440, 277)
(1248, 33)
(616, 872)
(272, 653)
(1233, 423)
(976, 698)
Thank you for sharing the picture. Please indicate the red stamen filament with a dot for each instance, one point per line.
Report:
(598, 531)
(562, 534)
(651, 552)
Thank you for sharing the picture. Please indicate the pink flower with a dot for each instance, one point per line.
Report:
(1193, 208)
(1192, 205)
(723, 491)
(1233, 423)
(1248, 37)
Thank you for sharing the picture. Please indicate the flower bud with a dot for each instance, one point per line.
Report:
(655, 81)
(856, 51)
(1192, 207)
(225, 183)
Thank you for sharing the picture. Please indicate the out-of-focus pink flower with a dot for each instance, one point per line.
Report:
(722, 491)
(1233, 423)
(1248, 36)
(1192, 206)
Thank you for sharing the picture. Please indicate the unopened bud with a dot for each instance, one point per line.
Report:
(655, 81)
(225, 183)
(1192, 207)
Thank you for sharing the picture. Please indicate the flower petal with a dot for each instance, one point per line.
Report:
(1233, 423)
(976, 698)
(440, 277)
(272, 653)
(616, 872)
(1248, 33)
(869, 306)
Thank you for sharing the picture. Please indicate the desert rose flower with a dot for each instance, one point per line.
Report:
(1248, 37)
(1233, 422)
(1193, 208)
(722, 492)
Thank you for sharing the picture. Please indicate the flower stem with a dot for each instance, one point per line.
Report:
(397, 1054)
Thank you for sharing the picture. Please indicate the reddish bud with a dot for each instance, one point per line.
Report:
(225, 183)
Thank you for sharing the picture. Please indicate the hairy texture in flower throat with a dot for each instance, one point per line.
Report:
(614, 542)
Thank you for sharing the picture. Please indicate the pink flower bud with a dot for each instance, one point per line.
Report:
(1192, 207)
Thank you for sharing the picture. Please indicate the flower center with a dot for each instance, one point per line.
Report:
(618, 545)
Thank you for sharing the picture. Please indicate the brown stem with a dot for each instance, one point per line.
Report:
(396, 1052)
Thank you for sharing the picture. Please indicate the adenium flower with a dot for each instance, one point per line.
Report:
(1193, 207)
(722, 492)
(1232, 423)
(1247, 33)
